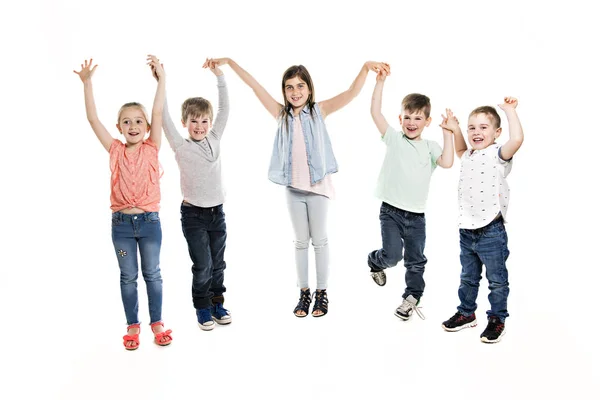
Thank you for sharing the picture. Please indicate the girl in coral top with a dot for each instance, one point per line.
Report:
(303, 161)
(135, 198)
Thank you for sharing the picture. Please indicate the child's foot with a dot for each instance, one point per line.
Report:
(161, 337)
(301, 309)
(131, 341)
(220, 315)
(405, 310)
(494, 331)
(205, 319)
(321, 303)
(459, 321)
(379, 277)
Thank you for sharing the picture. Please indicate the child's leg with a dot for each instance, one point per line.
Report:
(391, 237)
(470, 274)
(414, 258)
(125, 244)
(299, 215)
(217, 238)
(493, 250)
(317, 206)
(195, 222)
(149, 241)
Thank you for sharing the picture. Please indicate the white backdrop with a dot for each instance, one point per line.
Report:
(62, 316)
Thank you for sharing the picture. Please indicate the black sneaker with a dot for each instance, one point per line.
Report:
(379, 277)
(493, 331)
(459, 321)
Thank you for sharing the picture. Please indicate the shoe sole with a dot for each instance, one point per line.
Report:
(222, 322)
(402, 317)
(377, 283)
(471, 324)
(205, 327)
(486, 340)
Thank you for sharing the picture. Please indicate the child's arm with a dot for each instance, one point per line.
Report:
(90, 106)
(449, 126)
(460, 146)
(223, 107)
(342, 99)
(515, 131)
(159, 99)
(378, 117)
(272, 106)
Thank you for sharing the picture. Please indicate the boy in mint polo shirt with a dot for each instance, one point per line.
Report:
(403, 186)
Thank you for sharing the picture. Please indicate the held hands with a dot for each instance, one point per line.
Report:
(510, 103)
(86, 71)
(449, 122)
(158, 71)
(378, 67)
(214, 63)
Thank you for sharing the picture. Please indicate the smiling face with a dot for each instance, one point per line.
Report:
(133, 124)
(413, 124)
(482, 131)
(198, 127)
(297, 93)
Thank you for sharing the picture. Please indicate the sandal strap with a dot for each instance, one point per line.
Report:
(321, 301)
(304, 301)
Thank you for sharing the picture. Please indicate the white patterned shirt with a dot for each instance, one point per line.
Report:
(483, 191)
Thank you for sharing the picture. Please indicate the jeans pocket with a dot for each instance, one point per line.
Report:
(493, 231)
(116, 220)
(153, 217)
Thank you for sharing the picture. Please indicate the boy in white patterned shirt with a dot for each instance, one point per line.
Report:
(483, 196)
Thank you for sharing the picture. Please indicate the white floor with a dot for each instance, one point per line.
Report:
(62, 317)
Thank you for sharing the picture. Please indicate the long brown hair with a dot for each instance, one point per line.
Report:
(301, 72)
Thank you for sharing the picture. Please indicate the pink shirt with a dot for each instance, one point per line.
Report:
(134, 180)
(300, 171)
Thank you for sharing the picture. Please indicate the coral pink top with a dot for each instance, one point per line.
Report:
(300, 171)
(134, 180)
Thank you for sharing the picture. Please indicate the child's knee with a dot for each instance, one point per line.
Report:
(301, 244)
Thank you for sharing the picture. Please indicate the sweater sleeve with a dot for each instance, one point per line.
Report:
(173, 137)
(223, 108)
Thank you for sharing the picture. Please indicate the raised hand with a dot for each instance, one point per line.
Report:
(381, 75)
(449, 122)
(509, 103)
(213, 65)
(378, 66)
(158, 71)
(86, 70)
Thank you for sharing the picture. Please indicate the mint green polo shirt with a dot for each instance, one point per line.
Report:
(406, 171)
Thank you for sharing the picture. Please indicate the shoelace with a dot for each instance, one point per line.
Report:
(220, 310)
(406, 306)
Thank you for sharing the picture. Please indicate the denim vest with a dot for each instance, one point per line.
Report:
(319, 152)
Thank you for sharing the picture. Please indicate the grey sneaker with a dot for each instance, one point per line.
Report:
(379, 277)
(405, 310)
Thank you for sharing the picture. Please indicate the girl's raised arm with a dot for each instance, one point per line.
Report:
(159, 99)
(272, 106)
(90, 106)
(342, 99)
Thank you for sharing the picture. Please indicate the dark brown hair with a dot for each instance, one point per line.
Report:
(416, 102)
(301, 72)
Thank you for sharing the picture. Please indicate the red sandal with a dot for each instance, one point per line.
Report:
(132, 338)
(161, 338)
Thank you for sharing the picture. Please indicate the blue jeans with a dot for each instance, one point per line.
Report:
(484, 246)
(402, 236)
(205, 232)
(130, 231)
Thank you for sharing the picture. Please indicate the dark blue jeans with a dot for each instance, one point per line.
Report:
(205, 232)
(402, 236)
(484, 246)
(130, 231)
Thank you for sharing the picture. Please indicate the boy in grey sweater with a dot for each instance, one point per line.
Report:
(202, 217)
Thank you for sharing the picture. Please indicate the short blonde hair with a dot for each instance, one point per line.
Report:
(195, 107)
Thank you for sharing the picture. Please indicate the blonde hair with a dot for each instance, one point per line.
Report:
(195, 107)
(133, 104)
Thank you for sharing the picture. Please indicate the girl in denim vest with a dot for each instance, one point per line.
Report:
(135, 198)
(303, 161)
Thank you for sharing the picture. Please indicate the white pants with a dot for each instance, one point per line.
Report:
(308, 212)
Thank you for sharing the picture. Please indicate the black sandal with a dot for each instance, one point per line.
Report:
(303, 303)
(321, 303)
